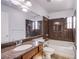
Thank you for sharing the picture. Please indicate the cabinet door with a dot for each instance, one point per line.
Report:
(56, 29)
(45, 27)
(38, 56)
(41, 47)
(30, 54)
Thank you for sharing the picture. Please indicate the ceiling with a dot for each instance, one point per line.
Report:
(56, 5)
(51, 5)
(30, 14)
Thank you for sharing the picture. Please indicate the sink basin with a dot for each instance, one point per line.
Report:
(22, 47)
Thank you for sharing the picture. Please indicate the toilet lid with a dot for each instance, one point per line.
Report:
(49, 49)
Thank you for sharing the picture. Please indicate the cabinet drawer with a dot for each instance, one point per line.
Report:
(30, 54)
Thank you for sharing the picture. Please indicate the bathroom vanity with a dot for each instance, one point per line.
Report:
(30, 53)
(33, 53)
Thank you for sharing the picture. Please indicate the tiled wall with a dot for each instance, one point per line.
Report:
(13, 23)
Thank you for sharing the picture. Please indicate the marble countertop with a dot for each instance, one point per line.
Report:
(11, 54)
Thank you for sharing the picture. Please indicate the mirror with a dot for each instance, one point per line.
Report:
(34, 25)
(17, 24)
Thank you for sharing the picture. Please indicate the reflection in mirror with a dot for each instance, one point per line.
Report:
(34, 25)
(57, 26)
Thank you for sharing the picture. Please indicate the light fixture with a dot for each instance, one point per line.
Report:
(55, 0)
(15, 2)
(59, 0)
(25, 10)
(28, 3)
(23, 6)
(21, 0)
(57, 23)
(52, 0)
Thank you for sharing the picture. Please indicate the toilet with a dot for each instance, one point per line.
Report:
(48, 52)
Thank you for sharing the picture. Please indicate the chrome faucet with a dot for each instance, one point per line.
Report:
(18, 43)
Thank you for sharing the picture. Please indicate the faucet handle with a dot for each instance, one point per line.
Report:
(18, 42)
(21, 41)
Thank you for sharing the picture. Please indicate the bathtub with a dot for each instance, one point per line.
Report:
(63, 48)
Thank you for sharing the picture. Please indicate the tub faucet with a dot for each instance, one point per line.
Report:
(18, 43)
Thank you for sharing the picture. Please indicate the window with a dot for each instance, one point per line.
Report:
(74, 22)
(35, 25)
(69, 22)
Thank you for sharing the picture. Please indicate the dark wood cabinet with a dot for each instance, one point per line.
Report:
(45, 27)
(58, 30)
(39, 55)
(33, 53)
(30, 54)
